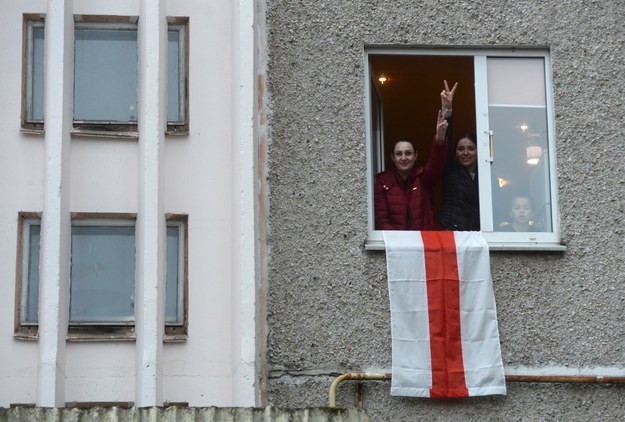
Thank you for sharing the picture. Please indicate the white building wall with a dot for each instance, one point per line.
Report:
(212, 368)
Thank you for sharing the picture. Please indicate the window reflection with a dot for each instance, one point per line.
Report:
(520, 167)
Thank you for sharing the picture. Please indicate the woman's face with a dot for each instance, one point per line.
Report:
(466, 153)
(404, 157)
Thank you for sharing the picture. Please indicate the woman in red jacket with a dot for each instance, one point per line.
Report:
(403, 193)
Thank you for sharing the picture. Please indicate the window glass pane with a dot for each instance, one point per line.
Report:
(173, 77)
(105, 75)
(103, 274)
(36, 88)
(172, 308)
(31, 289)
(520, 177)
(516, 81)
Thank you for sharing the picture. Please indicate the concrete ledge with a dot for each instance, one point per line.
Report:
(174, 413)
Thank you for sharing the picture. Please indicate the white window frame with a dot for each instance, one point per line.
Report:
(30, 124)
(122, 329)
(550, 241)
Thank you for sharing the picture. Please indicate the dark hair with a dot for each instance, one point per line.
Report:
(521, 194)
(515, 195)
(469, 135)
(410, 141)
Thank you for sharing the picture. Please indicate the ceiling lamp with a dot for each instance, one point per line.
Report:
(533, 154)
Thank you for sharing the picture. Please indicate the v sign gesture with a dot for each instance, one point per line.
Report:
(447, 99)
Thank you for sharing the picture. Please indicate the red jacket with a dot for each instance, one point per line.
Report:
(407, 204)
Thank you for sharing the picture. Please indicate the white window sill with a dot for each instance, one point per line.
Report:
(375, 242)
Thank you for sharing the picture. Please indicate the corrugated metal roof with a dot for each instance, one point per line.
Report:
(183, 414)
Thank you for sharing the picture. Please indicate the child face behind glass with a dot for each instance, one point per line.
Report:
(521, 210)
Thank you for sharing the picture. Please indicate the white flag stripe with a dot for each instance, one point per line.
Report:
(410, 331)
(478, 316)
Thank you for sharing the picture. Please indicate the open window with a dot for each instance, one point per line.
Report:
(102, 280)
(505, 97)
(105, 75)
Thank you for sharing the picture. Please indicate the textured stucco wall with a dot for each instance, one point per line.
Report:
(328, 302)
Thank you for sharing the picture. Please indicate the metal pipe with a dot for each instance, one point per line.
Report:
(353, 376)
(580, 379)
(587, 379)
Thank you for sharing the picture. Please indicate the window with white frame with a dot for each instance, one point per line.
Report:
(505, 98)
(105, 75)
(102, 280)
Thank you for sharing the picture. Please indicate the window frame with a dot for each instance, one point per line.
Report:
(100, 331)
(100, 128)
(29, 124)
(497, 240)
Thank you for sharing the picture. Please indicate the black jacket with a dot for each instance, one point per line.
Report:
(461, 201)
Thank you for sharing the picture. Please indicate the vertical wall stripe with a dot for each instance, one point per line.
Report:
(244, 231)
(55, 225)
(151, 227)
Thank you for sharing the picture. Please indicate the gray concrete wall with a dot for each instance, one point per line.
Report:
(327, 302)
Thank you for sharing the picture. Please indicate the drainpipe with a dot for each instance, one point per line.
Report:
(577, 379)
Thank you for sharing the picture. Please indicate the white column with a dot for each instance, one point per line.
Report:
(54, 264)
(151, 229)
(244, 233)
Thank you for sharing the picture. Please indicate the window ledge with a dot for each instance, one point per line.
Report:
(88, 133)
(376, 243)
(175, 338)
(131, 134)
(127, 334)
(548, 247)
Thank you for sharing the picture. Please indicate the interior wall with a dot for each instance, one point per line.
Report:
(411, 98)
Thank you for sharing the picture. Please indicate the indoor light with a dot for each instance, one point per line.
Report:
(533, 154)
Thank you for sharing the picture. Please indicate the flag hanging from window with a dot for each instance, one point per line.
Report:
(445, 338)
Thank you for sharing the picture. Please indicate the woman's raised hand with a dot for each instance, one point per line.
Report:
(447, 99)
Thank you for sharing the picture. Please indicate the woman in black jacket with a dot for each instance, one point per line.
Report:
(461, 202)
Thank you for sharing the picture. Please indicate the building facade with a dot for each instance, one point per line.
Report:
(241, 174)
(129, 220)
(560, 308)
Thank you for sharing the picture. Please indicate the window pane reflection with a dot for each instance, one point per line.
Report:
(105, 75)
(103, 274)
(173, 306)
(32, 289)
(520, 169)
(174, 108)
(36, 88)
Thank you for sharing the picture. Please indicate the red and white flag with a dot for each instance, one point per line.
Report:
(444, 329)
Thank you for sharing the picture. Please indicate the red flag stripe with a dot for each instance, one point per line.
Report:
(443, 292)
